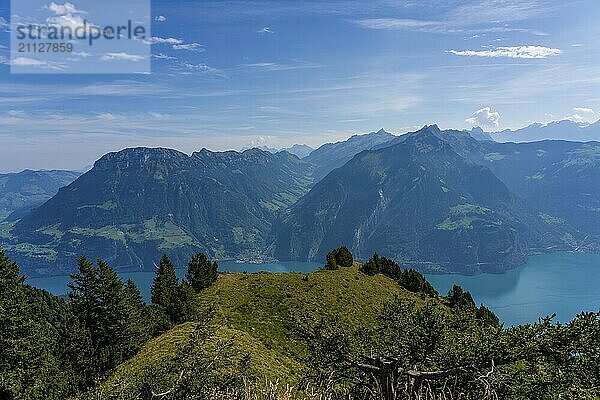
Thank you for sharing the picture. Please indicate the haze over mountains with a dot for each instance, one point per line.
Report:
(20, 192)
(557, 130)
(441, 201)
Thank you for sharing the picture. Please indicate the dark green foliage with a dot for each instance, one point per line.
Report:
(175, 302)
(201, 273)
(164, 285)
(410, 279)
(166, 294)
(413, 281)
(431, 352)
(458, 298)
(487, 316)
(76, 353)
(28, 367)
(111, 312)
(138, 317)
(340, 257)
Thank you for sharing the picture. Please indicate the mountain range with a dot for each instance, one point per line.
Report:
(557, 130)
(20, 192)
(299, 150)
(440, 201)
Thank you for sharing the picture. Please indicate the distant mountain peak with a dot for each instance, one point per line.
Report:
(565, 129)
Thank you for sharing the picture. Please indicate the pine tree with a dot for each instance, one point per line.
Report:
(28, 369)
(76, 354)
(101, 304)
(138, 318)
(340, 257)
(164, 287)
(201, 273)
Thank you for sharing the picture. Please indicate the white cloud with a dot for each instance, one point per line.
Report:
(271, 66)
(189, 47)
(484, 118)
(583, 110)
(16, 114)
(30, 62)
(161, 56)
(160, 18)
(62, 9)
(525, 52)
(582, 115)
(447, 26)
(396, 23)
(160, 40)
(107, 117)
(122, 56)
(494, 11)
(68, 16)
(202, 68)
(266, 30)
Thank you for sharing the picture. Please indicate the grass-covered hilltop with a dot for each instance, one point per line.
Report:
(350, 330)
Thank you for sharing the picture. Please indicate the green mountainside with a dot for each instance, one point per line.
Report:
(137, 204)
(419, 202)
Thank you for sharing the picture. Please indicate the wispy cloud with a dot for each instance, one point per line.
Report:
(189, 47)
(466, 16)
(176, 44)
(525, 52)
(122, 57)
(160, 18)
(266, 30)
(449, 26)
(161, 40)
(272, 66)
(34, 63)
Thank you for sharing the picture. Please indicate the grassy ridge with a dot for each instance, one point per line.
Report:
(255, 311)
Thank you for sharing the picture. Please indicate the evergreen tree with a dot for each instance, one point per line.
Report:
(164, 285)
(28, 368)
(100, 302)
(76, 354)
(458, 298)
(413, 281)
(201, 273)
(165, 290)
(340, 257)
(371, 267)
(138, 318)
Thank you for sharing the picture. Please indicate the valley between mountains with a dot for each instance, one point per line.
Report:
(440, 201)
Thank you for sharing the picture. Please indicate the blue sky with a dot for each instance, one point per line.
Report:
(227, 74)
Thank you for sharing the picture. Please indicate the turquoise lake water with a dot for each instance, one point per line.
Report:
(561, 283)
